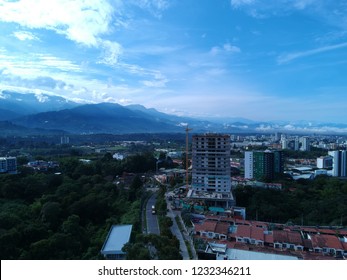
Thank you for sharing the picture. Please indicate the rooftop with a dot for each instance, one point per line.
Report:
(236, 254)
(209, 195)
(116, 238)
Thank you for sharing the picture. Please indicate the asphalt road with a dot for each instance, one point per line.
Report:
(152, 220)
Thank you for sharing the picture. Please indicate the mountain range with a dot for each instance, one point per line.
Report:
(38, 113)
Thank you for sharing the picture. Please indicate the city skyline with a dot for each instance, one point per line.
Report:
(283, 60)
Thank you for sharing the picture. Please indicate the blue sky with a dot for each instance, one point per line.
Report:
(258, 59)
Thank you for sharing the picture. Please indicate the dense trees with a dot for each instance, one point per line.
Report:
(322, 201)
(67, 216)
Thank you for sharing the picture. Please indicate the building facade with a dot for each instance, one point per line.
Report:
(325, 162)
(339, 163)
(211, 163)
(8, 165)
(305, 144)
(263, 165)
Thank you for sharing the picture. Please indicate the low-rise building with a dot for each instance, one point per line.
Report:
(295, 242)
(327, 244)
(117, 237)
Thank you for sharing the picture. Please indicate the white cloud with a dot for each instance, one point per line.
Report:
(25, 35)
(155, 83)
(291, 56)
(238, 3)
(302, 4)
(125, 101)
(226, 48)
(42, 98)
(230, 48)
(155, 7)
(111, 52)
(82, 21)
(36, 65)
(264, 8)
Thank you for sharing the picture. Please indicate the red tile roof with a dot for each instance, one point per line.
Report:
(290, 237)
(222, 228)
(250, 232)
(257, 233)
(268, 238)
(207, 226)
(327, 231)
(326, 241)
(243, 231)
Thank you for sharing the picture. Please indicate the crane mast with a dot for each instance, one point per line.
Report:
(187, 139)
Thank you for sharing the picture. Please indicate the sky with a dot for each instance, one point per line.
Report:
(262, 60)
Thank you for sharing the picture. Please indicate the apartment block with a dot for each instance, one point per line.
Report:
(263, 165)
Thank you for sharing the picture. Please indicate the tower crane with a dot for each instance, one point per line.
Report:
(187, 139)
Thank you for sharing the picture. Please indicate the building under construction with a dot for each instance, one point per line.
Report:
(211, 182)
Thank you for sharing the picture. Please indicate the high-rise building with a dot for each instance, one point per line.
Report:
(211, 163)
(284, 142)
(305, 143)
(277, 136)
(339, 163)
(248, 165)
(296, 143)
(263, 165)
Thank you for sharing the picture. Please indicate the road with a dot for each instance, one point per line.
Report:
(152, 220)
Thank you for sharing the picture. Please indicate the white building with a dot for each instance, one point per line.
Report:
(339, 163)
(117, 237)
(325, 162)
(248, 165)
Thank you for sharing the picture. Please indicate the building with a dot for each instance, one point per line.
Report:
(296, 143)
(211, 163)
(263, 165)
(339, 163)
(64, 140)
(8, 165)
(211, 180)
(284, 142)
(117, 237)
(325, 162)
(305, 143)
(248, 164)
(248, 240)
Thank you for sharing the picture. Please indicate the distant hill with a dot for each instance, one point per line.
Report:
(49, 112)
(6, 114)
(98, 118)
(9, 129)
(14, 104)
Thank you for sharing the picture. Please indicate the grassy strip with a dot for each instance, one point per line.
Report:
(180, 226)
(143, 210)
(189, 249)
